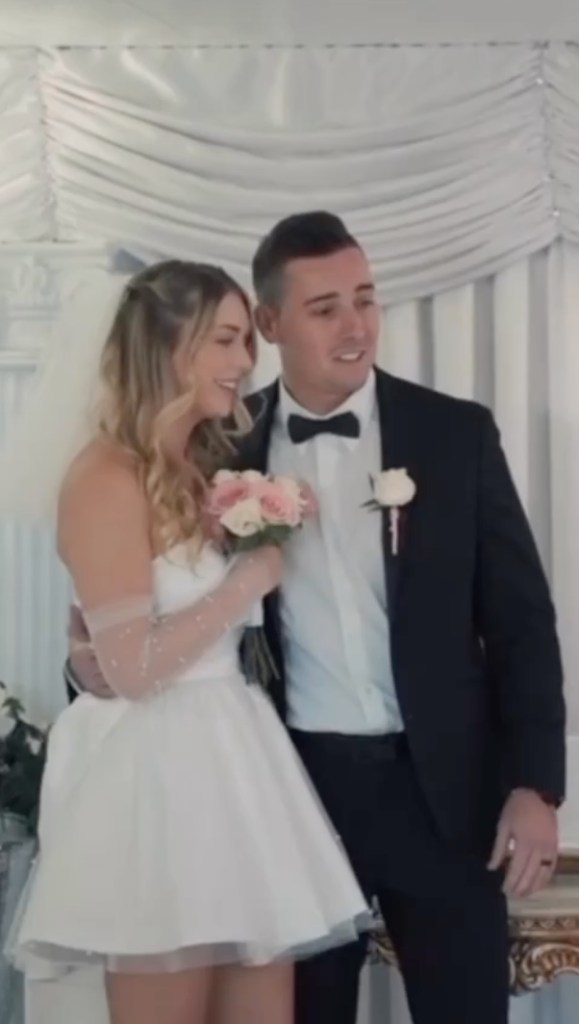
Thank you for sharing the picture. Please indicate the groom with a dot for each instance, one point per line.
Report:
(420, 674)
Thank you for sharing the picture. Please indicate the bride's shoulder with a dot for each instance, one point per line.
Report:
(101, 472)
(102, 514)
(101, 497)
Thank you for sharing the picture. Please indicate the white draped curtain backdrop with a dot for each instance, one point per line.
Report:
(457, 168)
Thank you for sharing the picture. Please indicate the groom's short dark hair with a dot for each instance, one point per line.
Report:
(297, 237)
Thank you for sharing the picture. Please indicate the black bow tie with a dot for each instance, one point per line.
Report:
(301, 429)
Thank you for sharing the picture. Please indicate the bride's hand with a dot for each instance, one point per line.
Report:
(264, 564)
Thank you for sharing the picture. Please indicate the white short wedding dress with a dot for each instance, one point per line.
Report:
(181, 829)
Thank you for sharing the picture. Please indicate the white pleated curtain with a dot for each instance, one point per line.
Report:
(450, 163)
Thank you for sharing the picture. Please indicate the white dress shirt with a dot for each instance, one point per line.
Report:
(334, 621)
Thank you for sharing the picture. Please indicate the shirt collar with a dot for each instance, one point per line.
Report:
(362, 403)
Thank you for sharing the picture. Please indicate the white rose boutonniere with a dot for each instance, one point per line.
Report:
(392, 490)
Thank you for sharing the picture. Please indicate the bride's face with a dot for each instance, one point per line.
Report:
(221, 361)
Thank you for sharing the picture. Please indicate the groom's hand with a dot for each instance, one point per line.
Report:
(82, 657)
(527, 833)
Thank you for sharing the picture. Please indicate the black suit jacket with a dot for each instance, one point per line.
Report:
(475, 654)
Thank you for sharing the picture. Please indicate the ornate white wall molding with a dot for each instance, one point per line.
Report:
(35, 280)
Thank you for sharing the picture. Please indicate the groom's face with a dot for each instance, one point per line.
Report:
(326, 325)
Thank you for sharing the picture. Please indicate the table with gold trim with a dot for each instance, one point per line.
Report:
(544, 933)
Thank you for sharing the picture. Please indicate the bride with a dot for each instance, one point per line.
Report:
(183, 855)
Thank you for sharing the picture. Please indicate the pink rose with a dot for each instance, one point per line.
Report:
(300, 492)
(279, 507)
(289, 484)
(226, 494)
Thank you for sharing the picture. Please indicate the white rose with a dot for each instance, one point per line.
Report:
(252, 476)
(393, 488)
(224, 474)
(243, 519)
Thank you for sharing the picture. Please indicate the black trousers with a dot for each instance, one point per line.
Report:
(444, 911)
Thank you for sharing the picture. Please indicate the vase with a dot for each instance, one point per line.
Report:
(17, 849)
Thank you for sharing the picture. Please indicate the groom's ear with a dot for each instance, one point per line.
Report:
(266, 322)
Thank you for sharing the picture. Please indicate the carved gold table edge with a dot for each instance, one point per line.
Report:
(541, 948)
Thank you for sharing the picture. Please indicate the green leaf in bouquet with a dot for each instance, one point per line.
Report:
(247, 543)
(13, 707)
(270, 535)
(277, 534)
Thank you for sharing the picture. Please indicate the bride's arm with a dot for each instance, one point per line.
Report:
(104, 542)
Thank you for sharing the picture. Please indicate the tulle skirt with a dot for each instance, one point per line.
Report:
(179, 832)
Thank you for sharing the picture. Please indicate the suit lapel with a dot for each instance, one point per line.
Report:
(253, 450)
(399, 444)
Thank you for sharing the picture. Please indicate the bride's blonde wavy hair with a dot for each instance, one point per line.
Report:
(141, 397)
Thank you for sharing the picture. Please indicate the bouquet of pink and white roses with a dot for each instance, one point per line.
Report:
(254, 509)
